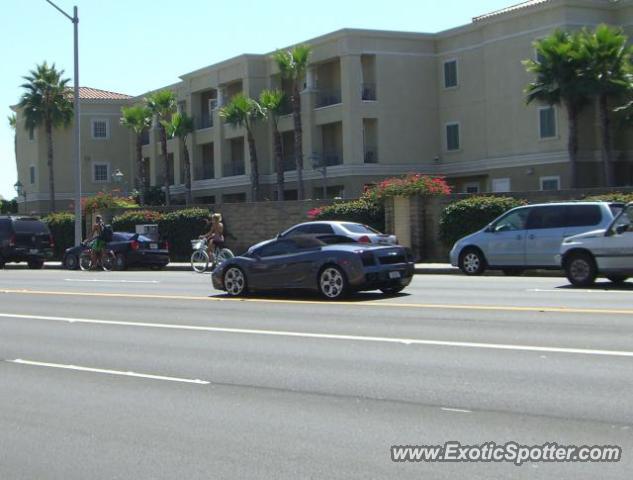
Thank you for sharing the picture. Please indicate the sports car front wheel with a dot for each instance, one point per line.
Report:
(235, 282)
(332, 283)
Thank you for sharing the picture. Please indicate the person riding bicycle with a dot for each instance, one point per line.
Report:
(215, 235)
(96, 242)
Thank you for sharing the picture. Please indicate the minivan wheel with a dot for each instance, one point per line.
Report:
(617, 279)
(472, 262)
(581, 269)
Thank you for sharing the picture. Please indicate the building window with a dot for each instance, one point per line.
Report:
(100, 129)
(550, 183)
(452, 136)
(31, 134)
(32, 174)
(100, 172)
(471, 187)
(500, 185)
(547, 122)
(450, 74)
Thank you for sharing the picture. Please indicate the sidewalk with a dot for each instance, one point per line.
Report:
(420, 269)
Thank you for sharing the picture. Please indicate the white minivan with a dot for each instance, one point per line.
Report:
(607, 252)
(529, 237)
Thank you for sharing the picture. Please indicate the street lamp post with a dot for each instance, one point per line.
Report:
(19, 189)
(77, 150)
(118, 176)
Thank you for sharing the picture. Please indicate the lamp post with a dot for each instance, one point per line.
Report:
(117, 177)
(77, 150)
(19, 189)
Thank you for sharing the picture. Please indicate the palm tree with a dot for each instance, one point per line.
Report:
(138, 118)
(244, 111)
(559, 81)
(272, 102)
(292, 65)
(181, 126)
(162, 104)
(47, 102)
(611, 76)
(13, 123)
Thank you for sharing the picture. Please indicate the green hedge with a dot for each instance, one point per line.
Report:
(612, 197)
(467, 216)
(8, 206)
(62, 227)
(360, 211)
(178, 227)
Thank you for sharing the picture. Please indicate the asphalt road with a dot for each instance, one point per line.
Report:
(146, 375)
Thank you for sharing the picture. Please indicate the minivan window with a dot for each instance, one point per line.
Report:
(546, 217)
(513, 221)
(5, 227)
(583, 215)
(30, 225)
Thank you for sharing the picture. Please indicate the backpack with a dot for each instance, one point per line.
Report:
(106, 233)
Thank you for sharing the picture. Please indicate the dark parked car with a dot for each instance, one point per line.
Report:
(25, 239)
(130, 249)
(304, 262)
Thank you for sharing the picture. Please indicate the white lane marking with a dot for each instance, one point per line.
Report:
(458, 410)
(108, 372)
(330, 336)
(575, 290)
(108, 281)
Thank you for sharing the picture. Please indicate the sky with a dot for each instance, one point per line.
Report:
(133, 46)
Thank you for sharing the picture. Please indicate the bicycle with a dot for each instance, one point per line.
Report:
(200, 259)
(106, 262)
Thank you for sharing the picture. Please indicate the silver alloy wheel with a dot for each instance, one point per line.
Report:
(471, 262)
(234, 281)
(332, 282)
(579, 269)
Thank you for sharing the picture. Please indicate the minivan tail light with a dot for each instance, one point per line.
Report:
(12, 241)
(134, 245)
(364, 239)
(166, 245)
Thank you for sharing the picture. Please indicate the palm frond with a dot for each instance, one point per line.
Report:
(137, 118)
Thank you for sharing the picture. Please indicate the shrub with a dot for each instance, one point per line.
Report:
(407, 186)
(8, 206)
(126, 222)
(467, 216)
(612, 197)
(105, 201)
(360, 211)
(62, 227)
(180, 227)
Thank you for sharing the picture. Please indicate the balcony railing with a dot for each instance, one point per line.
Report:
(368, 92)
(232, 169)
(332, 158)
(328, 97)
(371, 155)
(205, 121)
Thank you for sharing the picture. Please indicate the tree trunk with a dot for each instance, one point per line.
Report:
(296, 117)
(140, 169)
(51, 175)
(254, 167)
(279, 161)
(188, 196)
(605, 133)
(163, 143)
(572, 144)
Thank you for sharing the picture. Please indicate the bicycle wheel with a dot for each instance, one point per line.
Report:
(108, 261)
(199, 261)
(224, 254)
(85, 260)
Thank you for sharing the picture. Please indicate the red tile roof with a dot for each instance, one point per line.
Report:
(87, 93)
(511, 8)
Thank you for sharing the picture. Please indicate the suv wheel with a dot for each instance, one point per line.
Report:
(1, 262)
(71, 262)
(581, 269)
(472, 262)
(120, 262)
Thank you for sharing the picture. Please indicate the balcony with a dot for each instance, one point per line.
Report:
(205, 121)
(370, 154)
(368, 92)
(233, 168)
(332, 159)
(328, 97)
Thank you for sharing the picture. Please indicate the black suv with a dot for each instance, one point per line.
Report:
(25, 239)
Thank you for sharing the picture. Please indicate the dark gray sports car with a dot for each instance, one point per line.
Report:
(310, 263)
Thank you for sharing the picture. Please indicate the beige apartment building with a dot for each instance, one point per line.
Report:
(378, 104)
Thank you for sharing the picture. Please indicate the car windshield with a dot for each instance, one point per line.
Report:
(359, 228)
(30, 225)
(625, 217)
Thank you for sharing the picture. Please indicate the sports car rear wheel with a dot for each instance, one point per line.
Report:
(235, 281)
(332, 283)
